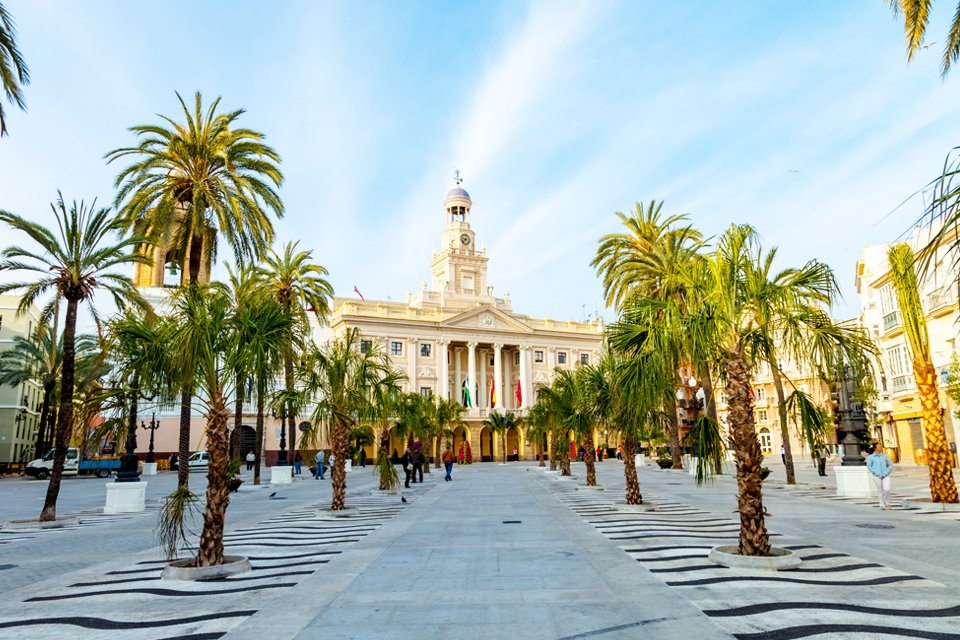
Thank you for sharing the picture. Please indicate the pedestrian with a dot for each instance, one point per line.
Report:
(405, 463)
(619, 453)
(251, 458)
(175, 462)
(823, 454)
(319, 471)
(599, 454)
(417, 470)
(880, 467)
(783, 454)
(448, 460)
(297, 464)
(363, 458)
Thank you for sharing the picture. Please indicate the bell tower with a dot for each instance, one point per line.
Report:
(459, 268)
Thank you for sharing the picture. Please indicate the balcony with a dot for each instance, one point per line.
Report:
(891, 321)
(940, 300)
(903, 384)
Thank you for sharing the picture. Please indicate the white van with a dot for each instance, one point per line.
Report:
(198, 460)
(41, 468)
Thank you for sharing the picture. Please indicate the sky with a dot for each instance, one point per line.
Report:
(801, 118)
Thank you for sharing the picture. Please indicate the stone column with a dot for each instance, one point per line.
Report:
(457, 375)
(443, 370)
(412, 364)
(472, 372)
(524, 377)
(510, 397)
(498, 374)
(483, 390)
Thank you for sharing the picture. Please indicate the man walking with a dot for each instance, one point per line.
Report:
(448, 459)
(363, 458)
(822, 454)
(880, 468)
(319, 459)
(251, 458)
(418, 460)
(405, 463)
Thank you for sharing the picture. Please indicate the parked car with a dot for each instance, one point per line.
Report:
(72, 466)
(198, 460)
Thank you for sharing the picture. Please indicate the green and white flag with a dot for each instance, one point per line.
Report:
(467, 400)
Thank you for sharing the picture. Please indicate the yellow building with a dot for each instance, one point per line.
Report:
(19, 405)
(899, 407)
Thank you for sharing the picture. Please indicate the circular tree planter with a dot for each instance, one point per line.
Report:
(27, 525)
(327, 514)
(565, 478)
(926, 504)
(621, 505)
(595, 487)
(186, 570)
(778, 560)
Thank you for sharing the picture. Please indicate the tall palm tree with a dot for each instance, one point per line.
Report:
(342, 385)
(903, 276)
(538, 426)
(263, 329)
(74, 261)
(916, 17)
(13, 70)
(38, 358)
(386, 398)
(446, 417)
(652, 259)
(299, 286)
(204, 332)
(192, 182)
(572, 399)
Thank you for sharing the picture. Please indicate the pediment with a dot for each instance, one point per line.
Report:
(486, 318)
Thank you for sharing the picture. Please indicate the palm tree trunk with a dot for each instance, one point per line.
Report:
(754, 540)
(48, 386)
(210, 551)
(183, 470)
(291, 417)
(784, 427)
(943, 488)
(65, 419)
(591, 465)
(676, 454)
(630, 471)
(258, 446)
(195, 257)
(553, 454)
(436, 458)
(339, 471)
(385, 446)
(235, 451)
(706, 381)
(503, 441)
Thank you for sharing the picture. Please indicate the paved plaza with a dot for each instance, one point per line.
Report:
(502, 551)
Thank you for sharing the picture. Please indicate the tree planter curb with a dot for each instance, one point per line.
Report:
(32, 525)
(780, 559)
(926, 504)
(622, 505)
(183, 571)
(327, 514)
(584, 487)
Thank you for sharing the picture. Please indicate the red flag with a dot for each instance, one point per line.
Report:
(519, 395)
(358, 293)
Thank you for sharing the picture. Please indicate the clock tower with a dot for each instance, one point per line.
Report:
(459, 268)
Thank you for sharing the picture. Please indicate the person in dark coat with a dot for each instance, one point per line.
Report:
(405, 463)
(417, 472)
(363, 458)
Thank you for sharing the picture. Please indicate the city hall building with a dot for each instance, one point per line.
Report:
(455, 339)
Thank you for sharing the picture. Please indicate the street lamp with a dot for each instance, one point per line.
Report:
(154, 425)
(852, 421)
(282, 454)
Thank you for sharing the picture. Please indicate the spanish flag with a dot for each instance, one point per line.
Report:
(519, 395)
(493, 393)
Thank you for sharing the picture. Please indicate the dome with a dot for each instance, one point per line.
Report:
(457, 192)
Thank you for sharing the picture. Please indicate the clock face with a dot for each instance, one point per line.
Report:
(464, 238)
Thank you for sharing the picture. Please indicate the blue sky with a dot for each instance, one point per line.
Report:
(802, 118)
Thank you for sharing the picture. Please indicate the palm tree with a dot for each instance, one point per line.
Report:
(943, 488)
(652, 259)
(385, 401)
(916, 17)
(74, 262)
(204, 332)
(538, 427)
(13, 70)
(447, 417)
(37, 357)
(299, 286)
(501, 423)
(342, 384)
(572, 400)
(192, 182)
(263, 328)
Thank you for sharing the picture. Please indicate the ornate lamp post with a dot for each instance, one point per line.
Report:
(154, 425)
(282, 454)
(852, 421)
(130, 462)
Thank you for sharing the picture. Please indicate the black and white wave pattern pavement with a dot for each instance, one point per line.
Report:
(85, 519)
(898, 501)
(831, 595)
(135, 603)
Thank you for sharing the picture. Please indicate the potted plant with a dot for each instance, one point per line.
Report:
(665, 463)
(764, 472)
(233, 470)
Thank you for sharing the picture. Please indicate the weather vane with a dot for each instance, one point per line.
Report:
(456, 177)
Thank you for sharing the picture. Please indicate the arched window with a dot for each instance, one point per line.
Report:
(766, 441)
